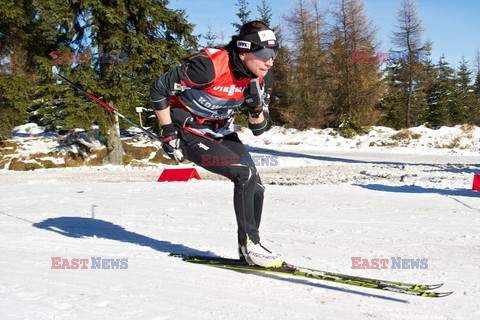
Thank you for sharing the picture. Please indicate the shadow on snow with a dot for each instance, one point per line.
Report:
(417, 189)
(78, 227)
(325, 286)
(454, 168)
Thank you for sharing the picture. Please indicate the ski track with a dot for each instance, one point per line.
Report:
(321, 213)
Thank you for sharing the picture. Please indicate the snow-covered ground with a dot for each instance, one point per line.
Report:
(328, 199)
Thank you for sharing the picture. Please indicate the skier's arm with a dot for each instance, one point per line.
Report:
(163, 116)
(258, 122)
(197, 72)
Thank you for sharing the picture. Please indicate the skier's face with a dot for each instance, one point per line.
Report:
(256, 65)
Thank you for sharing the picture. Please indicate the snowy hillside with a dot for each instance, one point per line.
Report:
(328, 199)
(34, 148)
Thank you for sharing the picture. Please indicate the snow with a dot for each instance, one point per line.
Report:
(29, 129)
(327, 199)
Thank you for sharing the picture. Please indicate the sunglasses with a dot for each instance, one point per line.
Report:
(266, 54)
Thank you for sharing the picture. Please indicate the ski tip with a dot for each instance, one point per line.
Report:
(435, 286)
(445, 294)
(434, 294)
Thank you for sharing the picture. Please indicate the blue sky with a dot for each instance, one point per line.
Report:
(452, 25)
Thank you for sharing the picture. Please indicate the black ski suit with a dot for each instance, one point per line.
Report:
(203, 94)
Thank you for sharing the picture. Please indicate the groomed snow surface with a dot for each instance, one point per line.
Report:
(324, 204)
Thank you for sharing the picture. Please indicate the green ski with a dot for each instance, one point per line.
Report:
(422, 290)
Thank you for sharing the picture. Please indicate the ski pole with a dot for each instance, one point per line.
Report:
(106, 106)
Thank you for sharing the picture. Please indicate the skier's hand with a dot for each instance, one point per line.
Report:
(254, 97)
(171, 143)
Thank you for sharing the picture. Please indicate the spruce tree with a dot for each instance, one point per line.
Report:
(426, 81)
(282, 99)
(357, 86)
(265, 12)
(393, 116)
(476, 86)
(19, 48)
(129, 43)
(300, 69)
(408, 38)
(474, 110)
(439, 97)
(210, 37)
(14, 102)
(243, 14)
(462, 95)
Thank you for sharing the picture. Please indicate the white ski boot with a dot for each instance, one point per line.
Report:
(256, 254)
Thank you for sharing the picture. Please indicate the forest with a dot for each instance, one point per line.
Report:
(331, 74)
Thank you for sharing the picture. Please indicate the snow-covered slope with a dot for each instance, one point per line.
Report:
(324, 205)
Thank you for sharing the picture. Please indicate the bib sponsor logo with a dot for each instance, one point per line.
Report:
(207, 104)
(230, 90)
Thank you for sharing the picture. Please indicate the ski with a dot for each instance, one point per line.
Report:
(422, 290)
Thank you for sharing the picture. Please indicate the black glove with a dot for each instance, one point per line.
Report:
(254, 98)
(171, 143)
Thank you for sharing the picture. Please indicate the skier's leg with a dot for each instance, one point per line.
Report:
(244, 176)
(248, 196)
(222, 158)
(258, 200)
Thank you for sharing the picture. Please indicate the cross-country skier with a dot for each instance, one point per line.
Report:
(195, 105)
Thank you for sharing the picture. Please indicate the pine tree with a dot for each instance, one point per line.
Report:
(356, 86)
(282, 73)
(210, 37)
(18, 49)
(129, 43)
(303, 101)
(462, 95)
(265, 13)
(426, 81)
(392, 115)
(14, 102)
(476, 86)
(243, 14)
(408, 38)
(474, 111)
(439, 98)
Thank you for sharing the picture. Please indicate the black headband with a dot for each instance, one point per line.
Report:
(256, 41)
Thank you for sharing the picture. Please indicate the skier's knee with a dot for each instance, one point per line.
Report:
(243, 175)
